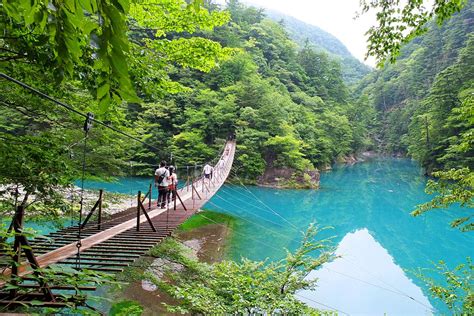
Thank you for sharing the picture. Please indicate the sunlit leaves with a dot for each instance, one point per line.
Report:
(176, 16)
(455, 289)
(401, 21)
(78, 34)
(195, 52)
(452, 186)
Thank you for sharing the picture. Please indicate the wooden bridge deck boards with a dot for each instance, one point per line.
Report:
(118, 240)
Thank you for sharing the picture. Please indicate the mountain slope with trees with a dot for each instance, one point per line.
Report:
(198, 74)
(425, 106)
(302, 33)
(419, 98)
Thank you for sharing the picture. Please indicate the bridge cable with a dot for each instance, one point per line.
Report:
(278, 249)
(322, 304)
(70, 108)
(380, 287)
(87, 127)
(254, 223)
(395, 290)
(261, 202)
(227, 201)
(250, 204)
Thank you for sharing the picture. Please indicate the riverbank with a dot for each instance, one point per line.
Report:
(204, 237)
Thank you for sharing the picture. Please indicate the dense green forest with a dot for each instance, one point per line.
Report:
(423, 100)
(352, 69)
(424, 104)
(181, 76)
(229, 71)
(193, 83)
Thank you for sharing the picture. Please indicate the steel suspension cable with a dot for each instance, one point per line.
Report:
(274, 248)
(248, 221)
(70, 108)
(261, 202)
(395, 291)
(244, 209)
(253, 205)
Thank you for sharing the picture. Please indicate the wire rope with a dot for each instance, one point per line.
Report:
(393, 290)
(253, 205)
(70, 108)
(254, 223)
(378, 286)
(322, 304)
(277, 249)
(261, 202)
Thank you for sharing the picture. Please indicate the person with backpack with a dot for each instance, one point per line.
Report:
(161, 182)
(172, 184)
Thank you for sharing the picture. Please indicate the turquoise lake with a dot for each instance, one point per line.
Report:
(378, 243)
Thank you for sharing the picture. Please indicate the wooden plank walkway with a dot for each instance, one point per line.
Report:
(118, 243)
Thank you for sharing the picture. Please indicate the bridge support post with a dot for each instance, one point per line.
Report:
(21, 243)
(150, 197)
(99, 217)
(180, 200)
(97, 204)
(138, 209)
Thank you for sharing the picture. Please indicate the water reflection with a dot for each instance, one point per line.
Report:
(363, 277)
(368, 199)
(376, 197)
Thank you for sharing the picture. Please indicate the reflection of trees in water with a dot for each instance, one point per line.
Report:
(378, 196)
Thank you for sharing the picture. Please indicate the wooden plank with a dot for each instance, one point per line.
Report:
(88, 242)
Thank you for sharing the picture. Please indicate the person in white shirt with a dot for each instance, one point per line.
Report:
(208, 171)
(220, 165)
(161, 182)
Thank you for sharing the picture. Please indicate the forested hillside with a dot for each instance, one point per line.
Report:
(424, 101)
(352, 69)
(191, 85)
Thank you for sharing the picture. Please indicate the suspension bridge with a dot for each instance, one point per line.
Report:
(106, 245)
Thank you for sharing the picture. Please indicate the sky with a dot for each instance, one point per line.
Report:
(333, 16)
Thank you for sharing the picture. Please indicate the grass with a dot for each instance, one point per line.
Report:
(206, 218)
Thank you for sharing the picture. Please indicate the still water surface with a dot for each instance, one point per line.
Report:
(380, 244)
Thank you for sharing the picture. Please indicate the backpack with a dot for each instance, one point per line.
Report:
(161, 177)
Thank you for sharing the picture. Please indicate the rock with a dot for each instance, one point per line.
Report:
(195, 245)
(161, 265)
(148, 286)
(351, 159)
(369, 154)
(289, 178)
(326, 167)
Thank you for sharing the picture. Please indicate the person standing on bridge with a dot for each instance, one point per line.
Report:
(220, 166)
(208, 169)
(161, 181)
(173, 184)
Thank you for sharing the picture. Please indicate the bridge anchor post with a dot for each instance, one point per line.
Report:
(21, 243)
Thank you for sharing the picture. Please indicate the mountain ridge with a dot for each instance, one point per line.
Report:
(302, 32)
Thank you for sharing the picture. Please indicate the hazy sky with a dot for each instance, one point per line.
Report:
(333, 16)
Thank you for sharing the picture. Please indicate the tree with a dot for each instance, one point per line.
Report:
(89, 39)
(247, 287)
(456, 289)
(399, 22)
(452, 186)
